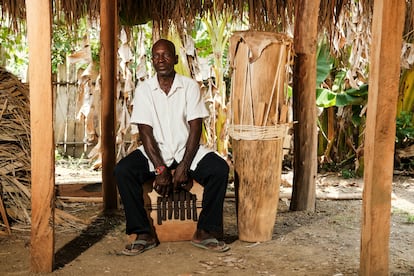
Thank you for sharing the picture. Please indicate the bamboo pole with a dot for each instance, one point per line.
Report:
(304, 106)
(109, 38)
(42, 142)
(384, 76)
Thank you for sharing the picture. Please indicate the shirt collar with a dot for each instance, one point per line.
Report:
(178, 83)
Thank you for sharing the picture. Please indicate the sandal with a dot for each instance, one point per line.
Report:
(137, 247)
(211, 244)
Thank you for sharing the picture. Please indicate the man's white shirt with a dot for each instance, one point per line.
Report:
(168, 115)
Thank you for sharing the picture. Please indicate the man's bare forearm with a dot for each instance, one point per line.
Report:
(193, 142)
(150, 145)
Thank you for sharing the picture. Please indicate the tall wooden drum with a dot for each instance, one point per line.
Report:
(258, 124)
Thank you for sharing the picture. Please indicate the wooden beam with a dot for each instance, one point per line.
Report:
(386, 44)
(93, 189)
(108, 58)
(42, 142)
(304, 105)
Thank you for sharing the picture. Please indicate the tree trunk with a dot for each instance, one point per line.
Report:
(304, 105)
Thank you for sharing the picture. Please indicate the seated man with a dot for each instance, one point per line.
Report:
(169, 110)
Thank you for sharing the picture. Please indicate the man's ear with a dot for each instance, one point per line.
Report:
(176, 59)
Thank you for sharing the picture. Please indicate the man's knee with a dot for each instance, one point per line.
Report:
(225, 168)
(121, 171)
(118, 170)
(221, 168)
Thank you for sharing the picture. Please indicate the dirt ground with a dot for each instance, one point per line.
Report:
(324, 242)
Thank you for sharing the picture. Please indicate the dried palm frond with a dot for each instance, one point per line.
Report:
(15, 146)
(15, 166)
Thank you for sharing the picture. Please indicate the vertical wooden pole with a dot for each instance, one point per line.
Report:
(42, 142)
(4, 216)
(304, 105)
(109, 38)
(387, 28)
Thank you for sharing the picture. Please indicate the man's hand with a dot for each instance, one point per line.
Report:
(181, 179)
(163, 183)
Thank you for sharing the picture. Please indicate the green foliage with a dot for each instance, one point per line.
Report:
(65, 41)
(347, 173)
(202, 39)
(14, 54)
(58, 155)
(335, 94)
(343, 144)
(62, 43)
(94, 41)
(324, 64)
(353, 96)
(139, 33)
(404, 129)
(325, 97)
(211, 34)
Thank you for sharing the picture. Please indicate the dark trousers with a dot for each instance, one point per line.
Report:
(133, 171)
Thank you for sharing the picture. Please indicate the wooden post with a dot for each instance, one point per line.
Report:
(42, 142)
(304, 106)
(4, 216)
(380, 135)
(109, 38)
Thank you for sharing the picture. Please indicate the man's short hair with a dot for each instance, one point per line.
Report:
(167, 42)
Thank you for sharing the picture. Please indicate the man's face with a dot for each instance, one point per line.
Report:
(163, 59)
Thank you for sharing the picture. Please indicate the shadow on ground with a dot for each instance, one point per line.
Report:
(95, 232)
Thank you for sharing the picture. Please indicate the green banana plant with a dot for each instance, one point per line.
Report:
(406, 92)
(340, 136)
(182, 67)
(405, 109)
(216, 26)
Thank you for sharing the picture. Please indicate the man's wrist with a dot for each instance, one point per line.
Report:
(160, 169)
(185, 163)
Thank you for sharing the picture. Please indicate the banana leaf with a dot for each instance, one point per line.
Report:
(352, 96)
(327, 98)
(324, 64)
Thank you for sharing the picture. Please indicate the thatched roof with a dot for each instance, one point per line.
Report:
(264, 15)
(270, 15)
